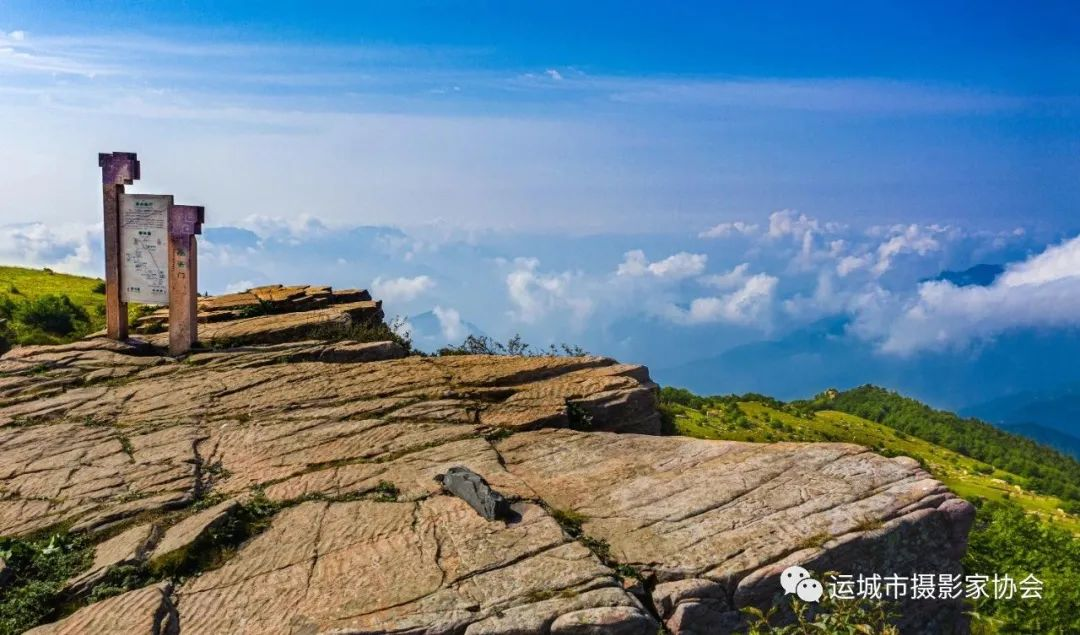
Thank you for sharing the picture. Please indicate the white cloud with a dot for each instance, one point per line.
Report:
(849, 264)
(1040, 292)
(825, 300)
(723, 230)
(554, 74)
(910, 239)
(848, 95)
(803, 232)
(67, 247)
(402, 327)
(675, 267)
(1056, 263)
(788, 222)
(534, 295)
(450, 323)
(295, 229)
(895, 240)
(728, 280)
(401, 289)
(237, 287)
(18, 36)
(748, 305)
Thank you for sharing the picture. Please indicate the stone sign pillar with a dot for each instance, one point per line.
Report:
(149, 253)
(117, 170)
(185, 221)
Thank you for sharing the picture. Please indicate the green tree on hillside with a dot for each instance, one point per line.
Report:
(1006, 541)
(55, 314)
(1046, 469)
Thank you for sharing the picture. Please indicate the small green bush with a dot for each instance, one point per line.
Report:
(484, 345)
(55, 314)
(386, 492)
(372, 331)
(789, 616)
(40, 567)
(569, 520)
(579, 418)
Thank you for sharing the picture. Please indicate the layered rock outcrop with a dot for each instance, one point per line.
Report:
(343, 440)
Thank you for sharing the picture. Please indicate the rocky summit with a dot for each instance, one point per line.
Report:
(290, 487)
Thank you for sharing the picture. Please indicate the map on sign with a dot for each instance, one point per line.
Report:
(144, 248)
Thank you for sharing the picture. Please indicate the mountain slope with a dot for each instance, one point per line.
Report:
(1044, 469)
(762, 419)
(1016, 531)
(20, 286)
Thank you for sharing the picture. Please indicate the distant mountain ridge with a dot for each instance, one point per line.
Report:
(1060, 441)
(981, 275)
(1057, 408)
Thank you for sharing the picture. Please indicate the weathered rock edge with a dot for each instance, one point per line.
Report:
(99, 436)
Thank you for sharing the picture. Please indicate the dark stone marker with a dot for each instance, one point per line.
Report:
(474, 490)
(117, 170)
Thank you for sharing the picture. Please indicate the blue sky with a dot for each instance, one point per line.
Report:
(662, 183)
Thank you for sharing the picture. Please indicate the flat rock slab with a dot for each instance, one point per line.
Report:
(273, 299)
(730, 516)
(129, 547)
(229, 420)
(146, 611)
(63, 472)
(432, 566)
(264, 329)
(190, 530)
(106, 437)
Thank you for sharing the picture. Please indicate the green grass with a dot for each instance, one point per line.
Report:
(20, 284)
(969, 478)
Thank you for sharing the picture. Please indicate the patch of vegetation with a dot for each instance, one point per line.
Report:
(815, 541)
(39, 569)
(368, 331)
(125, 445)
(261, 307)
(385, 492)
(569, 520)
(579, 417)
(39, 306)
(53, 314)
(1045, 469)
(790, 616)
(216, 546)
(1005, 540)
(600, 548)
(755, 421)
(120, 579)
(483, 345)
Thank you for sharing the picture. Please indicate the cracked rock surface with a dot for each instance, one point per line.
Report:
(343, 440)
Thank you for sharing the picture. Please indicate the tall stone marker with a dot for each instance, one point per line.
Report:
(185, 221)
(150, 255)
(117, 170)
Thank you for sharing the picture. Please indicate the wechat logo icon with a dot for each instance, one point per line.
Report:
(798, 581)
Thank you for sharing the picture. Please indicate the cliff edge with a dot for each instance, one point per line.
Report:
(306, 470)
